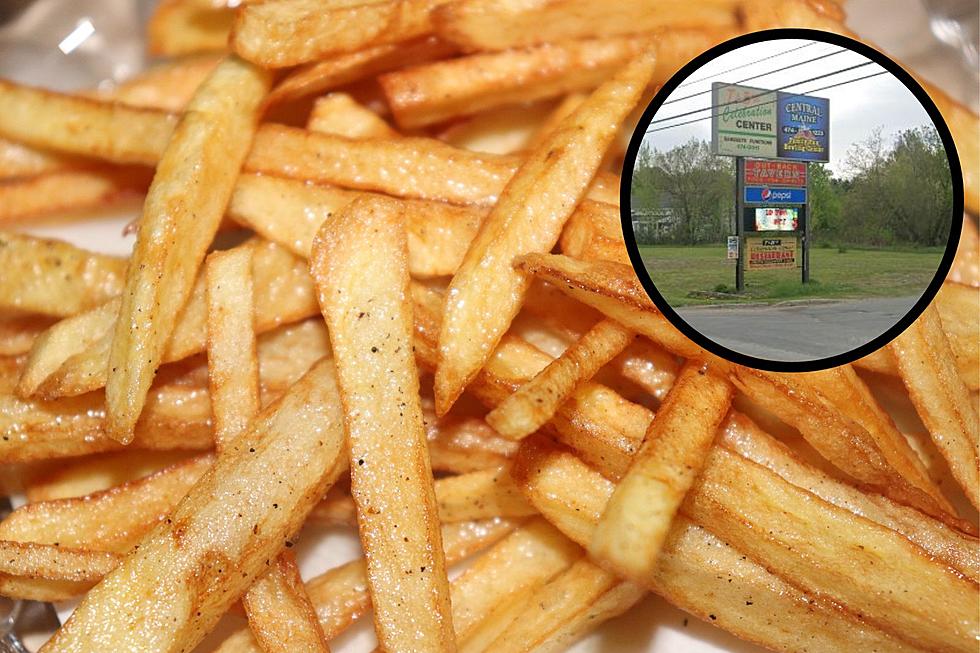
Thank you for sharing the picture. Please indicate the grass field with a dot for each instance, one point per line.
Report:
(854, 273)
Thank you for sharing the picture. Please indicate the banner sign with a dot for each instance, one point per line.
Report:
(770, 253)
(773, 219)
(748, 121)
(803, 126)
(743, 121)
(732, 248)
(768, 172)
(766, 195)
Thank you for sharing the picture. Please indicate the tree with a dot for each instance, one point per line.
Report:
(825, 203)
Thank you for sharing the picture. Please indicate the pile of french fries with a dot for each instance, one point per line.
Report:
(428, 330)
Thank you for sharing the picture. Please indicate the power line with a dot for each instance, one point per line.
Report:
(765, 74)
(761, 93)
(746, 65)
(802, 94)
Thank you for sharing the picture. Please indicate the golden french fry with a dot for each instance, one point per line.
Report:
(363, 292)
(18, 332)
(959, 312)
(291, 32)
(502, 24)
(233, 362)
(535, 403)
(18, 160)
(434, 92)
(966, 263)
(699, 572)
(65, 123)
(926, 364)
(272, 475)
(635, 523)
(70, 191)
(487, 291)
(55, 278)
(595, 232)
(44, 572)
(340, 114)
(464, 444)
(479, 495)
(168, 86)
(205, 154)
(566, 608)
(343, 69)
(505, 131)
(179, 27)
(280, 613)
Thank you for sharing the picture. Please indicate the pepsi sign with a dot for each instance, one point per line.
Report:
(767, 195)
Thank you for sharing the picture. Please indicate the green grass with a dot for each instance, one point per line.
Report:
(854, 273)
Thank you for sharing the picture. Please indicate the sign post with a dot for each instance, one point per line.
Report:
(783, 132)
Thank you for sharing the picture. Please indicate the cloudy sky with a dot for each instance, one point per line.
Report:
(855, 109)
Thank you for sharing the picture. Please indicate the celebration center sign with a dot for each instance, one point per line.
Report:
(755, 122)
(770, 253)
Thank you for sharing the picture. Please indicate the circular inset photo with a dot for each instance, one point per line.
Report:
(790, 200)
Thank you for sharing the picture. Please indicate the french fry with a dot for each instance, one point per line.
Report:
(505, 131)
(480, 495)
(292, 32)
(233, 362)
(502, 24)
(649, 367)
(966, 263)
(91, 474)
(45, 572)
(283, 294)
(188, 570)
(53, 277)
(343, 69)
(434, 92)
(339, 113)
(568, 607)
(70, 191)
(18, 332)
(528, 218)
(536, 402)
(363, 292)
(699, 572)
(290, 212)
(635, 523)
(420, 168)
(65, 123)
(942, 400)
(464, 444)
(18, 160)
(280, 614)
(595, 232)
(959, 312)
(176, 228)
(180, 27)
(168, 86)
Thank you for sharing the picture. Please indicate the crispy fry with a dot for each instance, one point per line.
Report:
(363, 292)
(464, 444)
(339, 113)
(70, 191)
(434, 92)
(487, 291)
(942, 400)
(697, 571)
(18, 332)
(567, 608)
(420, 168)
(292, 32)
(339, 70)
(635, 523)
(179, 27)
(966, 263)
(272, 475)
(18, 160)
(207, 149)
(65, 123)
(283, 294)
(595, 232)
(502, 24)
(479, 495)
(55, 278)
(46, 572)
(959, 312)
(168, 86)
(280, 614)
(535, 403)
(505, 131)
(233, 362)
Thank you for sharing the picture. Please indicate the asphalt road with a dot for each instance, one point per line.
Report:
(797, 331)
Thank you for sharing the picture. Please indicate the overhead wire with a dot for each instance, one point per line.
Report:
(746, 65)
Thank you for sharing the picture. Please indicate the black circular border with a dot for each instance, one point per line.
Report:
(626, 182)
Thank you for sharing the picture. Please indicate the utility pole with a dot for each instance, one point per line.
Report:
(739, 231)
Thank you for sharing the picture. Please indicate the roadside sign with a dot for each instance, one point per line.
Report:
(769, 172)
(803, 127)
(743, 121)
(770, 253)
(767, 195)
(732, 248)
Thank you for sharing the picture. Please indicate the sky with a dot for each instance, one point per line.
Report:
(855, 109)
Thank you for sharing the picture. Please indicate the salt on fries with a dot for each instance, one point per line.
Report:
(432, 296)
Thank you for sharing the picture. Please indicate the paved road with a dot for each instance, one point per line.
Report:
(795, 331)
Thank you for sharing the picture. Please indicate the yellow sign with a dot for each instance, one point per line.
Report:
(770, 253)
